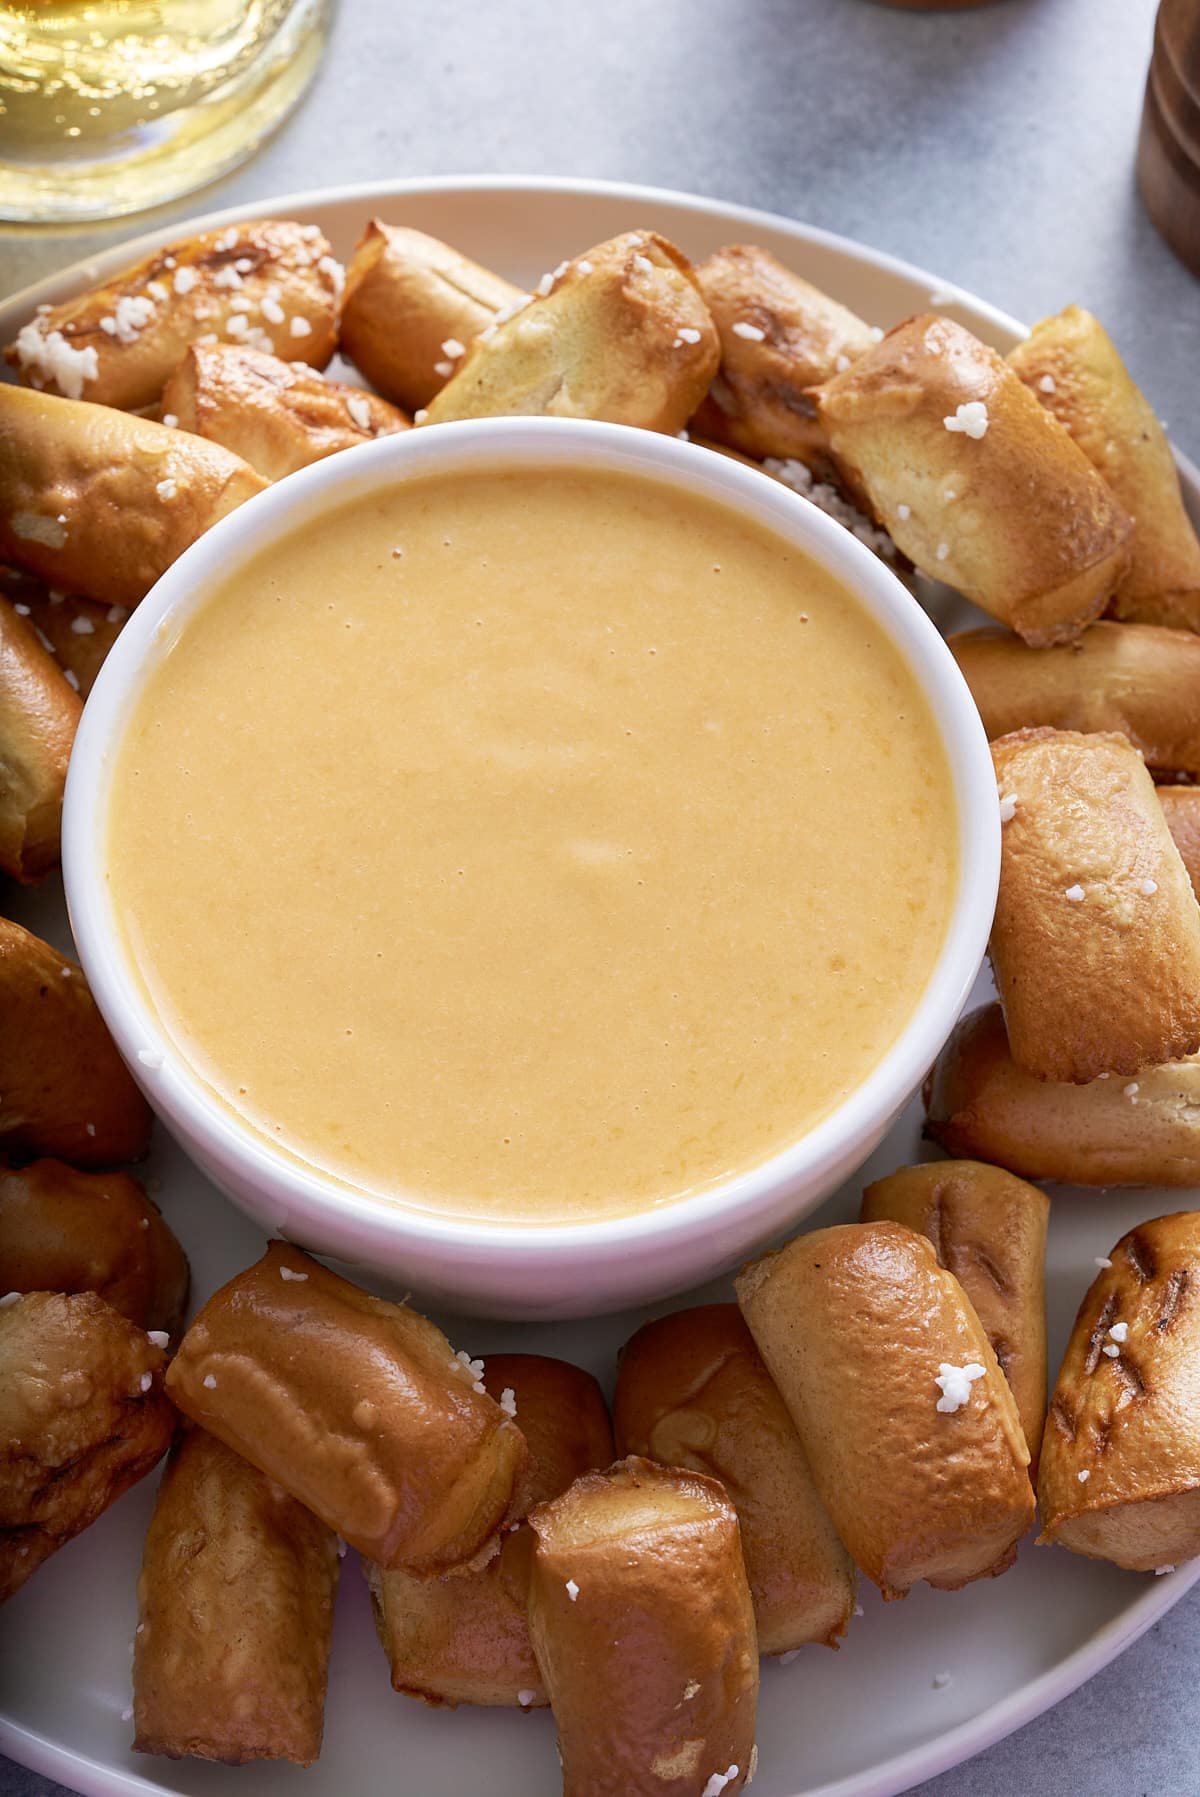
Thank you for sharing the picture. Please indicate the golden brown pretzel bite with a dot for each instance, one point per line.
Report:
(644, 1630)
(235, 1612)
(1113, 1132)
(779, 337)
(274, 415)
(77, 632)
(93, 499)
(692, 1391)
(1181, 808)
(894, 1387)
(64, 1089)
(1120, 1476)
(358, 1407)
(620, 333)
(83, 1417)
(988, 1228)
(1096, 938)
(1136, 678)
(1072, 365)
(464, 1638)
(270, 283)
(412, 307)
(975, 482)
(39, 714)
(64, 1231)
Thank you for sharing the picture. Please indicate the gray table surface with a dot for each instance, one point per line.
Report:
(994, 147)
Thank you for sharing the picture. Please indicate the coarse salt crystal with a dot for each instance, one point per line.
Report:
(1075, 894)
(209, 1382)
(244, 264)
(474, 1367)
(544, 286)
(159, 1337)
(644, 263)
(1008, 807)
(300, 327)
(876, 333)
(146, 1381)
(525, 1698)
(858, 1610)
(239, 305)
(842, 363)
(1161, 1571)
(108, 325)
(228, 277)
(116, 614)
(1102, 1260)
(359, 410)
(22, 611)
(127, 1715)
(157, 291)
(171, 420)
(1083, 1476)
(690, 1690)
(333, 270)
(168, 261)
(237, 326)
(718, 1781)
(583, 266)
(82, 626)
(310, 233)
(49, 357)
(185, 280)
(970, 418)
(271, 309)
(903, 512)
(9, 1299)
(166, 489)
(954, 1383)
(572, 1590)
(1119, 1331)
(228, 240)
(420, 415)
(688, 334)
(445, 369)
(453, 348)
(1111, 1349)
(508, 1401)
(1048, 384)
(1131, 1090)
(750, 332)
(1148, 888)
(287, 1273)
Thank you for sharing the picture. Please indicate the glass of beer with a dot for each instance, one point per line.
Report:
(109, 106)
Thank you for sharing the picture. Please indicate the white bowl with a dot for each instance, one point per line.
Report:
(524, 1271)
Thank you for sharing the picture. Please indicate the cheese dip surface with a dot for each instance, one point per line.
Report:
(536, 846)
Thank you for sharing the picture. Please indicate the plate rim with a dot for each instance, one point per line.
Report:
(902, 1771)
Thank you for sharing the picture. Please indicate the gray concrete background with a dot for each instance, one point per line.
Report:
(992, 147)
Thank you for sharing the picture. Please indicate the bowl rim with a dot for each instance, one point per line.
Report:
(322, 1200)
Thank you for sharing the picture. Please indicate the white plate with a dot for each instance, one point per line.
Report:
(865, 1722)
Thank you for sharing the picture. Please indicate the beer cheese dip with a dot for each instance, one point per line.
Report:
(537, 846)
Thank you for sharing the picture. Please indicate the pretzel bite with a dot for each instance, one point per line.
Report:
(64, 1089)
(894, 1387)
(276, 416)
(39, 714)
(83, 1417)
(1120, 1476)
(692, 1391)
(644, 1630)
(63, 1231)
(779, 336)
(270, 283)
(411, 307)
(235, 1613)
(975, 482)
(464, 1638)
(989, 1230)
(80, 632)
(1096, 938)
(620, 334)
(1136, 678)
(95, 500)
(1113, 1132)
(1181, 808)
(357, 1407)
(1071, 365)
